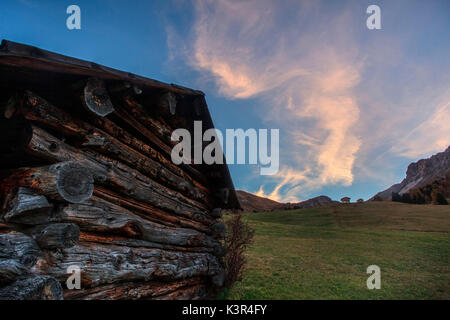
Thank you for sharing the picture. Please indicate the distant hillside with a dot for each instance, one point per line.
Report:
(253, 203)
(319, 201)
(420, 174)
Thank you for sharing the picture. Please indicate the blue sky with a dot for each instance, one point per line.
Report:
(354, 106)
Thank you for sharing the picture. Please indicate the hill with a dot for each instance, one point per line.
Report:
(324, 252)
(252, 203)
(420, 174)
(319, 201)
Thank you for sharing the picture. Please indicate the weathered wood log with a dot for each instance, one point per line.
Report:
(96, 98)
(5, 228)
(122, 178)
(106, 264)
(10, 270)
(160, 129)
(21, 204)
(126, 116)
(119, 240)
(69, 181)
(56, 236)
(36, 109)
(20, 247)
(152, 213)
(193, 175)
(132, 290)
(163, 131)
(100, 216)
(129, 116)
(196, 292)
(33, 287)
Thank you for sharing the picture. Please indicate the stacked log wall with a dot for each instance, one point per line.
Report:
(87, 180)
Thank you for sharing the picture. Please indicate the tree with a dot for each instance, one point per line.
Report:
(417, 196)
(438, 198)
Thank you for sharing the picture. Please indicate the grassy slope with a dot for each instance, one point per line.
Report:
(323, 253)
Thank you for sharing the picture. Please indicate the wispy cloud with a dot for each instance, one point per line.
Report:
(251, 52)
(428, 137)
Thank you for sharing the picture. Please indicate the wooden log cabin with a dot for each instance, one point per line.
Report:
(87, 180)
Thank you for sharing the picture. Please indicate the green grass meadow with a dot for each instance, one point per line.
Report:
(323, 253)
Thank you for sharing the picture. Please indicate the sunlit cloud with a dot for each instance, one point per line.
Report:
(305, 79)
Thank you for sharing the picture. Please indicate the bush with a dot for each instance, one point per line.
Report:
(238, 238)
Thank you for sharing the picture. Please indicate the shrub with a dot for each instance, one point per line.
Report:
(238, 238)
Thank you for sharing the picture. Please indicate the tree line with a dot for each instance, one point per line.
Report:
(436, 193)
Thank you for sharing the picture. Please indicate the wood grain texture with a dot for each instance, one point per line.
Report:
(68, 181)
(106, 264)
(100, 216)
(118, 176)
(37, 109)
(22, 204)
(33, 287)
(134, 290)
(20, 247)
(86, 179)
(56, 235)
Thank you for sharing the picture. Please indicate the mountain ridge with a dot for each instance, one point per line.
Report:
(419, 174)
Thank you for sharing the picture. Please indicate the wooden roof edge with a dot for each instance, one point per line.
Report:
(233, 200)
(19, 50)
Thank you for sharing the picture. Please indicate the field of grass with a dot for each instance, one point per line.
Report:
(323, 253)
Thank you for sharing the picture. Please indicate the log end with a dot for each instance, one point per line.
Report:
(75, 183)
(58, 235)
(37, 287)
(96, 98)
(22, 203)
